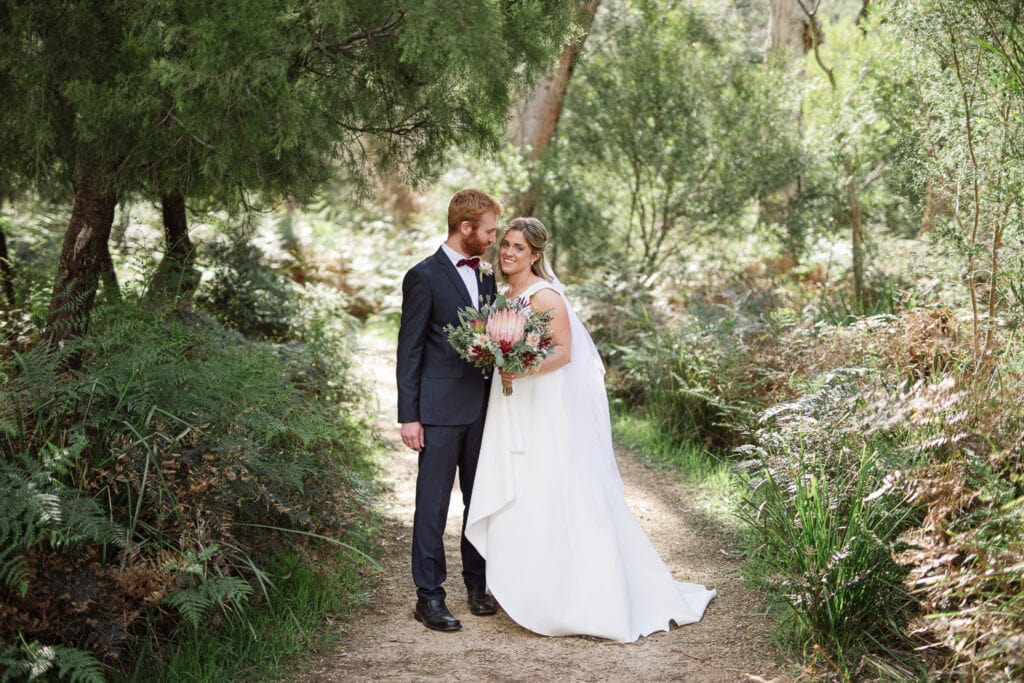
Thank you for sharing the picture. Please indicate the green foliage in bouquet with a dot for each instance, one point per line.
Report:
(504, 335)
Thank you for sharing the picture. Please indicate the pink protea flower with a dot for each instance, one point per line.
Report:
(506, 327)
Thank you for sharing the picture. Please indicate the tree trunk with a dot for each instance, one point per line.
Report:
(993, 282)
(862, 16)
(534, 123)
(857, 239)
(790, 37)
(6, 280)
(290, 242)
(175, 275)
(108, 276)
(852, 191)
(82, 260)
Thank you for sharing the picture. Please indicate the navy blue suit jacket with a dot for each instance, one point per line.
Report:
(435, 386)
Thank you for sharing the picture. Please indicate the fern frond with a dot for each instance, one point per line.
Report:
(192, 604)
(213, 591)
(35, 507)
(13, 571)
(205, 591)
(31, 661)
(85, 520)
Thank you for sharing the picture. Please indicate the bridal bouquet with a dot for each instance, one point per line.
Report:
(503, 335)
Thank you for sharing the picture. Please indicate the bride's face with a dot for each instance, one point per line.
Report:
(515, 254)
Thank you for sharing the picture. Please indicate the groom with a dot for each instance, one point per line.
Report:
(442, 400)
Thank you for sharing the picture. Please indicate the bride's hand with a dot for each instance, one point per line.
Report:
(509, 376)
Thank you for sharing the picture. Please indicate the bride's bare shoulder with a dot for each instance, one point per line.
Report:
(547, 299)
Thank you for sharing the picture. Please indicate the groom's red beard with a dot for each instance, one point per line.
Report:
(473, 245)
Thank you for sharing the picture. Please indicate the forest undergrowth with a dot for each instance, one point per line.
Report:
(209, 470)
(876, 463)
(195, 500)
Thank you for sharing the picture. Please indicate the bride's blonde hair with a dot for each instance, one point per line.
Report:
(536, 235)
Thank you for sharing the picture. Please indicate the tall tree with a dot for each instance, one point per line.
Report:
(6, 280)
(535, 121)
(863, 134)
(791, 33)
(176, 274)
(977, 93)
(246, 100)
(850, 179)
(672, 122)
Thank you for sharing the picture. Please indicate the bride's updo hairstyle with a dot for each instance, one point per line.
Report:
(536, 235)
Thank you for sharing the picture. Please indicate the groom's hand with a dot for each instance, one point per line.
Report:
(412, 435)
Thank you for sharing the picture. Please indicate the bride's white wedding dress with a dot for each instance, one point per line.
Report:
(565, 555)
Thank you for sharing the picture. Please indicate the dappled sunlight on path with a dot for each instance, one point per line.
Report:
(384, 643)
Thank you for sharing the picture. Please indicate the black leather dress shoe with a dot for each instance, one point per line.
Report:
(481, 603)
(435, 615)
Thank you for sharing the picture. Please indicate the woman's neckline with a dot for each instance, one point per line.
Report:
(524, 289)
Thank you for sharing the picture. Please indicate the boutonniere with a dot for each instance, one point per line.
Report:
(486, 269)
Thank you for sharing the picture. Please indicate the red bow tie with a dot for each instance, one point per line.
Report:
(473, 263)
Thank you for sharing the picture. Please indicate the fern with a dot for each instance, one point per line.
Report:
(35, 507)
(84, 520)
(24, 512)
(195, 603)
(32, 661)
(175, 412)
(12, 566)
(205, 591)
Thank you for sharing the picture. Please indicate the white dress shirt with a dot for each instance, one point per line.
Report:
(468, 275)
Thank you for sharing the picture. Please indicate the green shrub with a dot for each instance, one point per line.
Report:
(823, 540)
(681, 372)
(211, 454)
(826, 511)
(691, 395)
(245, 293)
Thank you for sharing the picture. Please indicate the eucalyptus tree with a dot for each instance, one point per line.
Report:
(790, 36)
(535, 120)
(6, 279)
(971, 57)
(679, 127)
(244, 101)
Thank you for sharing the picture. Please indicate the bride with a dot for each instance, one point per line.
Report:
(565, 556)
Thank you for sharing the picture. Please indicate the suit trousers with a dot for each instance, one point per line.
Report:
(448, 448)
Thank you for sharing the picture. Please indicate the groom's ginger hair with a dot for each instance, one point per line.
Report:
(470, 205)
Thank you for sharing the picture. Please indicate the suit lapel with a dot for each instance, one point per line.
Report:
(449, 269)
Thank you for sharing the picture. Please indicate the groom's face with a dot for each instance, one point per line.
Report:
(476, 240)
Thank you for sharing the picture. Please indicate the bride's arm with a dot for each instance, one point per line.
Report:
(561, 335)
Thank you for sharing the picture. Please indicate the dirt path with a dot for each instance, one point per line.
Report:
(385, 643)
